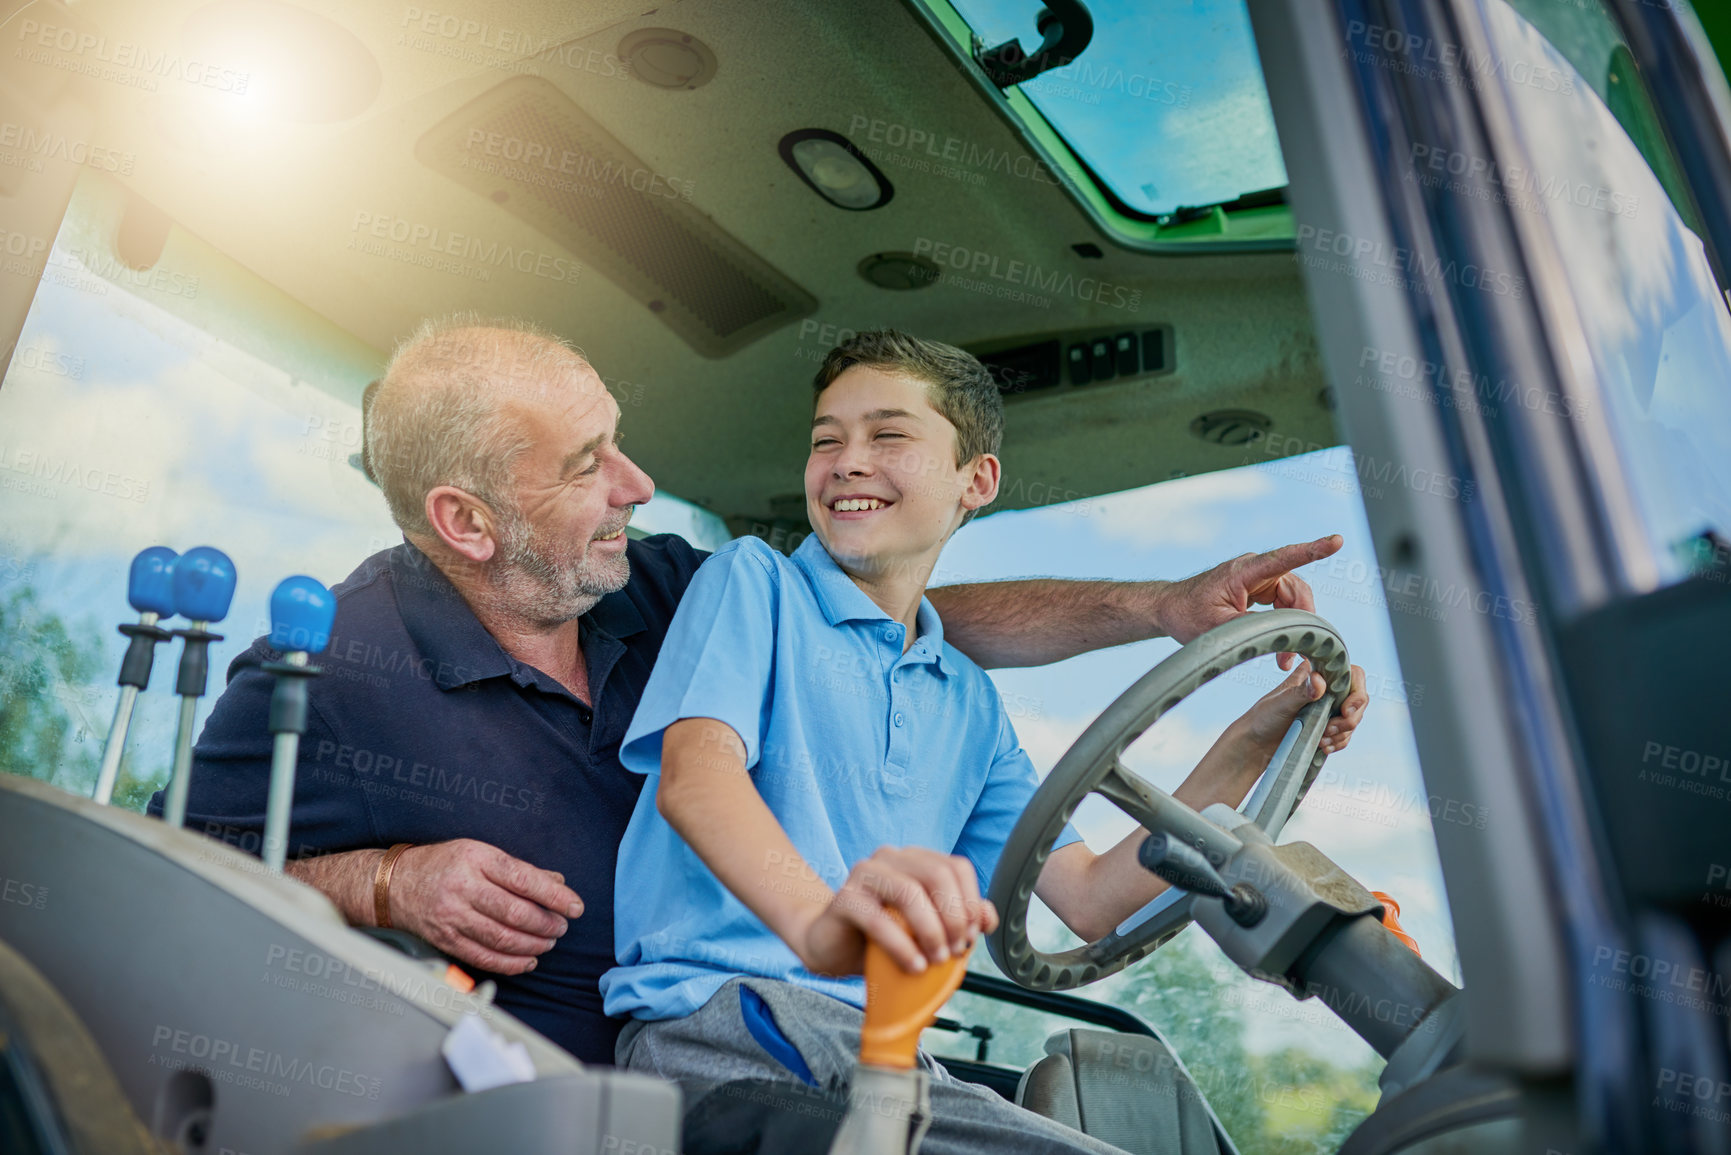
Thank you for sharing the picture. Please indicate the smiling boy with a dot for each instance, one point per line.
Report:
(819, 757)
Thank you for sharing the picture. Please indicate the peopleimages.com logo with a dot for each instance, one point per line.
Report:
(120, 61)
(1366, 259)
(1428, 57)
(980, 263)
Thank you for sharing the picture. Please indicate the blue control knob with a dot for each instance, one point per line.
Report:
(301, 613)
(150, 586)
(203, 584)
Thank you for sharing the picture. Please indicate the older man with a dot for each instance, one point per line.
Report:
(460, 777)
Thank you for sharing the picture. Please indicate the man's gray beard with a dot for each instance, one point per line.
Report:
(537, 585)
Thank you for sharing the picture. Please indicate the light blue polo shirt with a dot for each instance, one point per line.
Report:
(853, 744)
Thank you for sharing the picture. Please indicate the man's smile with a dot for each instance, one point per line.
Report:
(614, 534)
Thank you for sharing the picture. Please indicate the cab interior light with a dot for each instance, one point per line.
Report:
(835, 169)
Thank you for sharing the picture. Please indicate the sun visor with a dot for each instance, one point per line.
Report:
(525, 146)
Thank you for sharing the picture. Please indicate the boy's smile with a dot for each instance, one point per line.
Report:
(856, 506)
(882, 487)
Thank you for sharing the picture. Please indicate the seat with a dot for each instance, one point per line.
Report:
(56, 1090)
(236, 1011)
(1128, 1090)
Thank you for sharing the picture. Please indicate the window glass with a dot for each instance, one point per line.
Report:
(1283, 1075)
(97, 461)
(1656, 322)
(1185, 72)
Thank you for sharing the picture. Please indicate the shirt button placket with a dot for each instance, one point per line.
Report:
(898, 733)
(898, 745)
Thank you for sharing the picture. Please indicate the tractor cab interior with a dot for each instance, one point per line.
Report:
(220, 215)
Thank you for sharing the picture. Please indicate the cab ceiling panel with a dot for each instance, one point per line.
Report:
(526, 146)
(754, 274)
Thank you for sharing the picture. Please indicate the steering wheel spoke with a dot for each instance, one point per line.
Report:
(1153, 809)
(1094, 765)
(1126, 790)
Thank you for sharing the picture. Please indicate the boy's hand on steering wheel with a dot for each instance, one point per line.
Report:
(1266, 722)
(1339, 730)
(937, 894)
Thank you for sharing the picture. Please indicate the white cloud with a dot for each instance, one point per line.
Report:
(1219, 146)
(106, 468)
(201, 444)
(1163, 755)
(1177, 513)
(1046, 739)
(1169, 747)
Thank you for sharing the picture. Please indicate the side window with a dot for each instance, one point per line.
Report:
(121, 426)
(1605, 185)
(94, 466)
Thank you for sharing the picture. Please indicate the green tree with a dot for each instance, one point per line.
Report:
(1180, 993)
(1309, 1104)
(55, 702)
(46, 671)
(1287, 1102)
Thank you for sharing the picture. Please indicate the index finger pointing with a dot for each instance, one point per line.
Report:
(1270, 565)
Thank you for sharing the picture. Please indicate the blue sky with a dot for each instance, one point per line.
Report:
(1183, 72)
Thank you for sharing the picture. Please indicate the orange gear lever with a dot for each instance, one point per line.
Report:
(900, 1005)
(1391, 919)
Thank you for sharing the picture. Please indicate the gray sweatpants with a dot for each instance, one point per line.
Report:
(702, 1051)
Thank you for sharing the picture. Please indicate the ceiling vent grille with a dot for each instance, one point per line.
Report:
(527, 147)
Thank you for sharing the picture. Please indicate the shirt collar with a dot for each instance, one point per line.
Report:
(452, 640)
(931, 635)
(616, 615)
(843, 601)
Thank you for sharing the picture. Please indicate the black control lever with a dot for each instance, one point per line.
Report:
(1186, 867)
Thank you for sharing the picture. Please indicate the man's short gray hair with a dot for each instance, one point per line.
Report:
(438, 416)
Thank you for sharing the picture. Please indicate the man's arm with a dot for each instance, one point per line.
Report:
(1040, 620)
(471, 900)
(1033, 622)
(707, 796)
(345, 878)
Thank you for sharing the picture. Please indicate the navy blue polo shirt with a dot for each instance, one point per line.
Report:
(423, 729)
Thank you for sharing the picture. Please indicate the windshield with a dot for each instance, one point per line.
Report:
(1283, 1076)
(1185, 72)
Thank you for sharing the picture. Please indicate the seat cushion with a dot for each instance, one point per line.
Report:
(1128, 1090)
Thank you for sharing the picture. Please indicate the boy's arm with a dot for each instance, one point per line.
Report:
(707, 796)
(1033, 622)
(1094, 893)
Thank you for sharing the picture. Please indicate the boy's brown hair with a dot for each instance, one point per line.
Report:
(958, 386)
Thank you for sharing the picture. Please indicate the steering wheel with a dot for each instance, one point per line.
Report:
(1092, 766)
